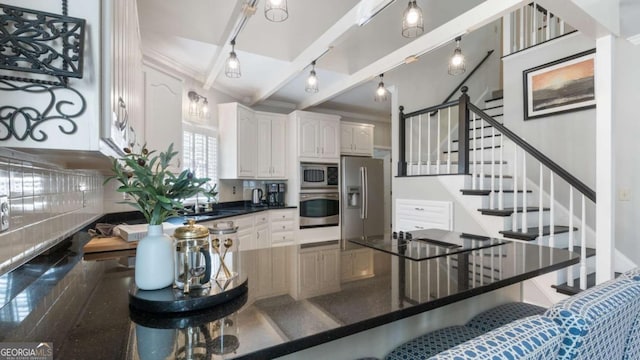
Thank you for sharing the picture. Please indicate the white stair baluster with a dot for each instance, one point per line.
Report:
(475, 145)
(475, 165)
(548, 29)
(420, 172)
(449, 143)
(500, 181)
(410, 166)
(524, 191)
(514, 216)
(438, 277)
(534, 36)
(571, 241)
(540, 205)
(449, 277)
(561, 27)
(481, 268)
(493, 266)
(493, 169)
(438, 146)
(428, 143)
(583, 247)
(552, 221)
(522, 31)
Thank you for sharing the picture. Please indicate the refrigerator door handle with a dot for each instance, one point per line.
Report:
(365, 186)
(363, 197)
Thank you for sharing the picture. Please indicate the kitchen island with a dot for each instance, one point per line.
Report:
(82, 306)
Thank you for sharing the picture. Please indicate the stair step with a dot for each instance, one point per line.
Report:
(478, 148)
(487, 192)
(480, 127)
(509, 211)
(533, 232)
(495, 98)
(478, 138)
(590, 251)
(572, 290)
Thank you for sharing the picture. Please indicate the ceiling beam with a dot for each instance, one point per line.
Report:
(475, 18)
(359, 14)
(217, 62)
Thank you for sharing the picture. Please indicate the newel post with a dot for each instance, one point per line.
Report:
(402, 162)
(463, 132)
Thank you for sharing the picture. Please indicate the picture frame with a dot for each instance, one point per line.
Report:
(561, 86)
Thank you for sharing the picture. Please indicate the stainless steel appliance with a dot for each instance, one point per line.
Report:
(362, 188)
(256, 196)
(319, 175)
(276, 194)
(319, 207)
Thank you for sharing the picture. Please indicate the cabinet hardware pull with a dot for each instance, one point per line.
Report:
(420, 209)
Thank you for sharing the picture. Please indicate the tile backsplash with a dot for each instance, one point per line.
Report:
(46, 204)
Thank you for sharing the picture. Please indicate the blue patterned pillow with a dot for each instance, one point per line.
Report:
(432, 343)
(503, 314)
(632, 274)
(597, 321)
(532, 338)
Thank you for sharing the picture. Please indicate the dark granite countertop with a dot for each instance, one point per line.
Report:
(225, 210)
(81, 304)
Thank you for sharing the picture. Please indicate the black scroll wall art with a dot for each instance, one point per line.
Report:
(39, 52)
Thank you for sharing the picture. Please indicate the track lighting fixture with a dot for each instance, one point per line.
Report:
(232, 67)
(312, 80)
(381, 91)
(276, 10)
(412, 20)
(457, 63)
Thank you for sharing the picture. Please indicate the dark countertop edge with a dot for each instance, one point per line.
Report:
(343, 331)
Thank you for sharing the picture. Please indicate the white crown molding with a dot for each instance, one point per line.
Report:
(354, 115)
(635, 39)
(151, 57)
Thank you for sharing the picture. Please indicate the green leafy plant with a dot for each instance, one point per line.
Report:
(156, 191)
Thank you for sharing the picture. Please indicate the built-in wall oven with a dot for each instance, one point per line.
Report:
(319, 207)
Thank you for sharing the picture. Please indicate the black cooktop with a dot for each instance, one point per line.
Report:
(427, 244)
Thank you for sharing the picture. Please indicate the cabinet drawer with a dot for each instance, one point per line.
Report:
(281, 215)
(282, 226)
(282, 238)
(242, 222)
(261, 218)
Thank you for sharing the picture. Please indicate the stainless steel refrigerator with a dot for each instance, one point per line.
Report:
(362, 191)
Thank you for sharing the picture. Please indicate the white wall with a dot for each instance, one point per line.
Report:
(625, 141)
(568, 139)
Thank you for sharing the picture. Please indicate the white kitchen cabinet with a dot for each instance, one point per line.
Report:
(356, 264)
(271, 137)
(318, 136)
(272, 273)
(423, 214)
(356, 139)
(263, 238)
(238, 132)
(318, 271)
(163, 114)
(283, 225)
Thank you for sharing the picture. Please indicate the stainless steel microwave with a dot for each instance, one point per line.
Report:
(320, 176)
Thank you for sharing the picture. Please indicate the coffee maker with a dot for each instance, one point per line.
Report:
(275, 194)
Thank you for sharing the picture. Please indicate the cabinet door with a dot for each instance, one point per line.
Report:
(247, 133)
(309, 279)
(246, 240)
(363, 140)
(346, 141)
(329, 268)
(264, 147)
(308, 139)
(263, 240)
(163, 114)
(278, 147)
(329, 139)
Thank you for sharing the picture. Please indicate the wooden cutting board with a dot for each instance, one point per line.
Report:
(114, 243)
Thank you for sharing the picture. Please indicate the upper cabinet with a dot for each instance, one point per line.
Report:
(318, 136)
(356, 139)
(271, 145)
(163, 114)
(238, 141)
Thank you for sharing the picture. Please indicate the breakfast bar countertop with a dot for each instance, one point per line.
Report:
(82, 305)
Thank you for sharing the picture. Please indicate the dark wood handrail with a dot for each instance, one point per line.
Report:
(564, 174)
(468, 76)
(432, 109)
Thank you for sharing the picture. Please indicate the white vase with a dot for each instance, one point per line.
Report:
(154, 260)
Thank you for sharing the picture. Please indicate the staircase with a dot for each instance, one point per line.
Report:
(516, 192)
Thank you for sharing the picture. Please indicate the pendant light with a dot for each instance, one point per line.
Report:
(412, 21)
(456, 63)
(276, 10)
(232, 67)
(312, 80)
(381, 91)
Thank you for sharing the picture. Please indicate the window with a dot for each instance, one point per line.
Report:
(200, 152)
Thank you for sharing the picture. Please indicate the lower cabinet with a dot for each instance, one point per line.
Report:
(356, 264)
(283, 226)
(318, 271)
(272, 272)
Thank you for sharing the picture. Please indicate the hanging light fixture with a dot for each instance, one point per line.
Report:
(312, 80)
(197, 110)
(412, 21)
(232, 67)
(276, 10)
(381, 91)
(456, 64)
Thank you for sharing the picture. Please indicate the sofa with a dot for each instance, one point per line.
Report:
(602, 322)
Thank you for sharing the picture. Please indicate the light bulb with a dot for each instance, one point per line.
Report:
(412, 16)
(275, 2)
(456, 59)
(381, 90)
(233, 62)
(312, 80)
(205, 107)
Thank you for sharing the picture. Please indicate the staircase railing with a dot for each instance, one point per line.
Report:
(532, 25)
(555, 185)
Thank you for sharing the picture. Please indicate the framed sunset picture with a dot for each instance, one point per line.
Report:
(560, 86)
